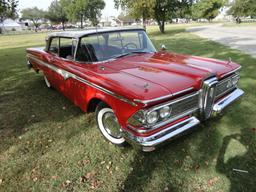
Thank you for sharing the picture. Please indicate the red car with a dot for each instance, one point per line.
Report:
(140, 95)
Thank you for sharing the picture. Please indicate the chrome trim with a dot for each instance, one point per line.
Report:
(171, 119)
(228, 89)
(66, 75)
(207, 97)
(163, 123)
(233, 71)
(172, 102)
(146, 102)
(162, 135)
(224, 102)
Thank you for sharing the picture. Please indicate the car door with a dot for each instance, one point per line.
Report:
(52, 59)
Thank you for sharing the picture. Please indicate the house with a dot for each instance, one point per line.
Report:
(10, 25)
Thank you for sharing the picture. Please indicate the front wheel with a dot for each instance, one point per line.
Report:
(108, 124)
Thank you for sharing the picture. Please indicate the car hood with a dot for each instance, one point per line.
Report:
(149, 76)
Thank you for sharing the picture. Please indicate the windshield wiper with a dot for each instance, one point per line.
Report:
(130, 53)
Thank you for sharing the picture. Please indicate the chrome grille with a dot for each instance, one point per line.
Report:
(225, 86)
(188, 104)
(208, 96)
(180, 108)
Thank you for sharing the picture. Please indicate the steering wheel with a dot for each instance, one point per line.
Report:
(134, 46)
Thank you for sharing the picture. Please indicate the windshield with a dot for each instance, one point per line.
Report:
(104, 46)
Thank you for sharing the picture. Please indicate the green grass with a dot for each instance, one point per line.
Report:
(243, 24)
(48, 144)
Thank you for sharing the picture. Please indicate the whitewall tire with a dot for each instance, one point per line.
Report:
(108, 124)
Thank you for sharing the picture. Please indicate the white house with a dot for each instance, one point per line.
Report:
(10, 25)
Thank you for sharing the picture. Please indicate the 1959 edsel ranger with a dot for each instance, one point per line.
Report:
(140, 95)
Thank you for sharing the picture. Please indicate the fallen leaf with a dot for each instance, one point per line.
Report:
(102, 162)
(64, 108)
(197, 167)
(254, 129)
(94, 184)
(35, 179)
(212, 181)
(67, 183)
(54, 177)
(1, 181)
(166, 189)
(206, 163)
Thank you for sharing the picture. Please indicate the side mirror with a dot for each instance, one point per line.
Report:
(163, 48)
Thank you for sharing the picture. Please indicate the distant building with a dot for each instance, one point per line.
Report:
(10, 25)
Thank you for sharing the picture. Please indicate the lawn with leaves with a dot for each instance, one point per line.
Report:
(48, 144)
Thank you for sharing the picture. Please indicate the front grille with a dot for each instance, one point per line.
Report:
(184, 105)
(225, 86)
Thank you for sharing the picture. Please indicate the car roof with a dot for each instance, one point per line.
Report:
(81, 33)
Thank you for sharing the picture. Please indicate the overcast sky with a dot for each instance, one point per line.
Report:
(44, 4)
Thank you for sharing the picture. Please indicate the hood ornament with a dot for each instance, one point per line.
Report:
(146, 86)
(230, 60)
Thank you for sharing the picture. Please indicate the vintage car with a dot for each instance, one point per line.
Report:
(139, 95)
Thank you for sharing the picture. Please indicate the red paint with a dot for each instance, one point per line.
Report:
(164, 72)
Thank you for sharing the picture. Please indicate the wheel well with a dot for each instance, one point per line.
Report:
(93, 104)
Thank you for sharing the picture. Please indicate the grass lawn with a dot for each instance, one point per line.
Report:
(243, 24)
(48, 144)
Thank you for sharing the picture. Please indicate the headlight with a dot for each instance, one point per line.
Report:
(165, 112)
(152, 117)
(235, 80)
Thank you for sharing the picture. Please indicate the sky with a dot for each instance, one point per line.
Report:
(44, 4)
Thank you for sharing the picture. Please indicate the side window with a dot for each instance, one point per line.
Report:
(54, 46)
(91, 48)
(67, 48)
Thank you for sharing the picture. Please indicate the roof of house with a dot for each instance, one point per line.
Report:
(78, 34)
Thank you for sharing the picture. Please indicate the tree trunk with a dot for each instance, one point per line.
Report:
(63, 25)
(81, 21)
(162, 27)
(144, 23)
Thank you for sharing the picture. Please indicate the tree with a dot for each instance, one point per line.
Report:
(207, 9)
(85, 9)
(165, 10)
(34, 15)
(240, 8)
(138, 9)
(8, 9)
(56, 13)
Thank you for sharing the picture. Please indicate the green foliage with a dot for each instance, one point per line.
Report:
(8, 9)
(33, 14)
(161, 10)
(207, 9)
(241, 8)
(138, 9)
(48, 144)
(85, 9)
(165, 10)
(56, 13)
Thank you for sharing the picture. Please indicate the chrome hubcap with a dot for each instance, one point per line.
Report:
(111, 125)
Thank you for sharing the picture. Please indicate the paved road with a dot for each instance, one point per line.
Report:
(242, 38)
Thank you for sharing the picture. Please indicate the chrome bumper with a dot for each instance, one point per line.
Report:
(149, 143)
(224, 102)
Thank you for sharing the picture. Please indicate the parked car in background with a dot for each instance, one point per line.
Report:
(140, 95)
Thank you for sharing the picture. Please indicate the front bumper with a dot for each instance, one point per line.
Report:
(149, 143)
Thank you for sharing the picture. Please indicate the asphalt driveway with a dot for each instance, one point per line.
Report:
(242, 38)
